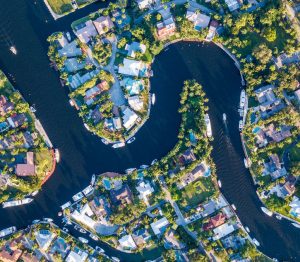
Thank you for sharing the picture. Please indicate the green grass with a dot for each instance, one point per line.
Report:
(60, 6)
(295, 153)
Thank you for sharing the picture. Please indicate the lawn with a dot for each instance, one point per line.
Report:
(295, 153)
(43, 161)
(60, 6)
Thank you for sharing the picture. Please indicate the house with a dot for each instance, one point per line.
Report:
(132, 86)
(29, 257)
(3, 127)
(133, 68)
(135, 103)
(121, 18)
(60, 246)
(44, 238)
(143, 4)
(212, 30)
(285, 59)
(159, 226)
(86, 31)
(77, 255)
(260, 136)
(96, 115)
(77, 79)
(63, 41)
(297, 95)
(100, 206)
(121, 196)
(166, 28)
(70, 50)
(233, 241)
(145, 189)
(274, 167)
(10, 252)
(232, 5)
(277, 134)
(134, 48)
(199, 20)
(27, 169)
(215, 221)
(287, 189)
(28, 139)
(172, 239)
(223, 230)
(103, 24)
(17, 120)
(141, 236)
(117, 123)
(187, 157)
(129, 118)
(127, 242)
(83, 215)
(73, 65)
(5, 106)
(90, 94)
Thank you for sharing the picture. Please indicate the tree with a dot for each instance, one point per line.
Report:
(262, 53)
(270, 34)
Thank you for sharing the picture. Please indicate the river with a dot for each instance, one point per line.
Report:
(26, 24)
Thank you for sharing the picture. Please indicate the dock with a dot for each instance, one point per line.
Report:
(43, 133)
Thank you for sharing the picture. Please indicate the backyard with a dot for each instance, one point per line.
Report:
(60, 6)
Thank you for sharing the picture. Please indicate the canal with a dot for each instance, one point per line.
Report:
(27, 24)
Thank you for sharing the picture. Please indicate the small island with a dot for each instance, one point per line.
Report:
(27, 158)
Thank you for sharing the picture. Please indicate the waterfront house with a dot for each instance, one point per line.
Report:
(215, 221)
(109, 124)
(103, 24)
(77, 79)
(199, 20)
(277, 134)
(127, 242)
(166, 28)
(70, 50)
(5, 106)
(86, 31)
(212, 30)
(141, 236)
(28, 139)
(101, 207)
(96, 115)
(260, 137)
(143, 4)
(133, 68)
(91, 93)
(28, 168)
(160, 226)
(287, 189)
(134, 48)
(233, 241)
(132, 86)
(224, 230)
(145, 189)
(274, 167)
(72, 65)
(63, 41)
(121, 196)
(172, 237)
(84, 216)
(232, 5)
(44, 238)
(60, 246)
(285, 59)
(129, 118)
(10, 251)
(17, 120)
(187, 157)
(77, 255)
(117, 123)
(135, 103)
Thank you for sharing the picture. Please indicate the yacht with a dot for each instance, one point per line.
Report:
(115, 259)
(224, 117)
(246, 163)
(13, 50)
(256, 242)
(35, 221)
(267, 211)
(77, 197)
(86, 126)
(94, 237)
(83, 240)
(219, 183)
(7, 231)
(144, 166)
(104, 141)
(17, 202)
(34, 193)
(130, 170)
(131, 140)
(93, 180)
(68, 36)
(247, 229)
(279, 217)
(71, 102)
(241, 125)
(153, 162)
(65, 230)
(48, 219)
(88, 190)
(99, 249)
(233, 206)
(153, 99)
(57, 155)
(118, 145)
(296, 225)
(81, 230)
(32, 109)
(208, 125)
(242, 99)
(66, 205)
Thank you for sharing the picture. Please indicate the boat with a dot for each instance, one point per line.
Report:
(65, 229)
(35, 221)
(144, 166)
(242, 99)
(241, 125)
(86, 126)
(153, 162)
(233, 206)
(224, 117)
(219, 183)
(57, 155)
(267, 211)
(99, 249)
(130, 170)
(296, 225)
(94, 237)
(77, 197)
(247, 229)
(32, 109)
(241, 111)
(153, 99)
(81, 230)
(7, 231)
(115, 259)
(13, 50)
(34, 193)
(208, 125)
(71, 102)
(66, 205)
(118, 145)
(93, 181)
(104, 141)
(48, 219)
(246, 163)
(83, 240)
(68, 35)
(279, 217)
(131, 140)
(60, 213)
(256, 242)
(17, 202)
(88, 190)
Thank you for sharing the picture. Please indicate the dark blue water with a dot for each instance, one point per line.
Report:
(27, 26)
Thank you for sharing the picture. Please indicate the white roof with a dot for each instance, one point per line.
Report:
(135, 103)
(145, 189)
(129, 118)
(156, 226)
(297, 94)
(75, 257)
(127, 242)
(232, 4)
(223, 231)
(131, 67)
(84, 216)
(85, 33)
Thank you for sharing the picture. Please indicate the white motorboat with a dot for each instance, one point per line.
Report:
(88, 190)
(93, 181)
(153, 162)
(68, 36)
(131, 140)
(13, 50)
(48, 219)
(267, 211)
(130, 170)
(17, 202)
(246, 163)
(86, 126)
(115, 259)
(77, 197)
(71, 102)
(224, 117)
(233, 206)
(241, 125)
(219, 183)
(35, 221)
(57, 155)
(34, 193)
(242, 99)
(99, 249)
(153, 99)
(296, 225)
(118, 145)
(81, 230)
(247, 229)
(7, 231)
(144, 166)
(65, 230)
(208, 125)
(83, 240)
(104, 141)
(94, 237)
(256, 242)
(32, 109)
(66, 205)
(279, 217)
